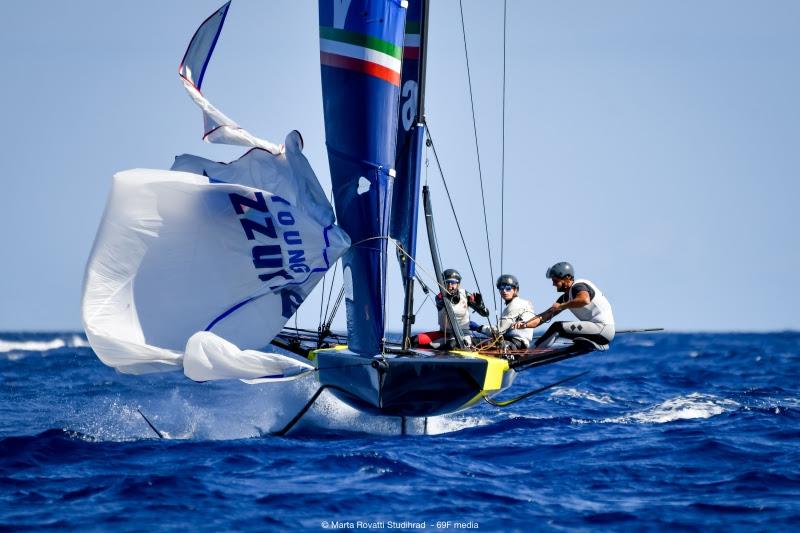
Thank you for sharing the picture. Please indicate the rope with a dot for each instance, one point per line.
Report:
(453, 210)
(335, 309)
(330, 293)
(427, 297)
(324, 329)
(503, 147)
(324, 279)
(419, 268)
(399, 247)
(322, 297)
(458, 225)
(477, 150)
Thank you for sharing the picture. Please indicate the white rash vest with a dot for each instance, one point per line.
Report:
(598, 310)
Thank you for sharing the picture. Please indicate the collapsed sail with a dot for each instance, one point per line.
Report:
(361, 43)
(198, 267)
(179, 253)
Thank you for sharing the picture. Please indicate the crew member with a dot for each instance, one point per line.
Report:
(461, 302)
(588, 304)
(517, 310)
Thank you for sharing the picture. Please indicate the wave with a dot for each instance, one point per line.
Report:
(17, 348)
(31, 346)
(194, 414)
(692, 406)
(641, 343)
(583, 395)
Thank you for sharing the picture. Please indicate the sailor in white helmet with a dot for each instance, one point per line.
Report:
(588, 304)
(517, 310)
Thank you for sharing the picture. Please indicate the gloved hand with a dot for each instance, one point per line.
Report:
(489, 331)
(476, 302)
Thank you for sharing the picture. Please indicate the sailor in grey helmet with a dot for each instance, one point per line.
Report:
(588, 304)
(517, 310)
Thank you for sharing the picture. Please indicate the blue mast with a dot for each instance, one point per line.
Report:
(361, 43)
(410, 137)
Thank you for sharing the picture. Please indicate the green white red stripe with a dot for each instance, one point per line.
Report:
(412, 40)
(362, 53)
(411, 46)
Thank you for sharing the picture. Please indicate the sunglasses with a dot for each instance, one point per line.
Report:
(452, 281)
(506, 287)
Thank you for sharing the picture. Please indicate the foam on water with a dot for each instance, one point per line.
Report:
(17, 349)
(641, 343)
(114, 420)
(568, 392)
(31, 346)
(691, 406)
(185, 414)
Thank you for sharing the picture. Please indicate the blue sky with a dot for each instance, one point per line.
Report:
(652, 144)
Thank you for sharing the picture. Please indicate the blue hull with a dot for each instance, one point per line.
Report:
(424, 383)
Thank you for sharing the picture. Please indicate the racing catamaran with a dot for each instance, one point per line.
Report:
(199, 268)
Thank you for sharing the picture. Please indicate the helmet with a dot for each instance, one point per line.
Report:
(560, 270)
(507, 279)
(451, 273)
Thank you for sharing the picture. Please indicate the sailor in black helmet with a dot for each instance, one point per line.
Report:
(517, 310)
(461, 301)
(588, 304)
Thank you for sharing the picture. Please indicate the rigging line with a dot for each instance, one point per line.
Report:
(382, 280)
(427, 297)
(322, 298)
(477, 150)
(402, 251)
(335, 309)
(399, 248)
(503, 146)
(324, 278)
(330, 293)
(453, 209)
(420, 268)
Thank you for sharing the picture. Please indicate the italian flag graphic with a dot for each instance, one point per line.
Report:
(362, 53)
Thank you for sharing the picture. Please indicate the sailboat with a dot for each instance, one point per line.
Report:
(199, 267)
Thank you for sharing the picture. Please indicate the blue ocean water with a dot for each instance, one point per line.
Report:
(686, 431)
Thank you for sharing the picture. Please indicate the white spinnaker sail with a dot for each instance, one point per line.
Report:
(177, 254)
(199, 266)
